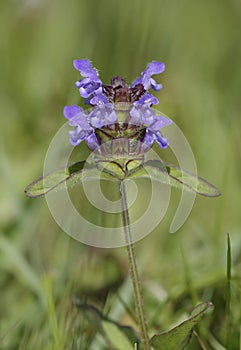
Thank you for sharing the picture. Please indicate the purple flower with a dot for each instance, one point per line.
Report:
(91, 84)
(142, 114)
(99, 99)
(142, 111)
(146, 80)
(103, 114)
(117, 109)
(153, 133)
(83, 130)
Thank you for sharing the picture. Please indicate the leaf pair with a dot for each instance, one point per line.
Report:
(154, 169)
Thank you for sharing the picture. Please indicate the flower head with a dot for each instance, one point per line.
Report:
(118, 110)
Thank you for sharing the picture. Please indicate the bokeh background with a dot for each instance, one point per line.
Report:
(41, 268)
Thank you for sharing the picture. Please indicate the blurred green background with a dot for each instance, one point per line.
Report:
(199, 41)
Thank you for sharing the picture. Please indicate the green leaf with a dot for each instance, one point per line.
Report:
(63, 176)
(116, 335)
(43, 185)
(178, 337)
(176, 177)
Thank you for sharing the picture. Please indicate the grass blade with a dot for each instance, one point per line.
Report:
(228, 293)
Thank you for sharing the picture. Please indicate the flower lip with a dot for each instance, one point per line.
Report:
(71, 111)
(86, 69)
(146, 76)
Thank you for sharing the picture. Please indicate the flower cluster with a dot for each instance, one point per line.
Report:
(118, 110)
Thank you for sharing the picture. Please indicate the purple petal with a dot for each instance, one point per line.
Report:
(82, 82)
(71, 111)
(83, 124)
(87, 87)
(148, 99)
(142, 114)
(92, 141)
(155, 67)
(97, 122)
(159, 123)
(77, 117)
(135, 114)
(111, 117)
(145, 78)
(149, 138)
(97, 118)
(86, 69)
(103, 114)
(162, 142)
(76, 137)
(154, 85)
(99, 99)
(148, 115)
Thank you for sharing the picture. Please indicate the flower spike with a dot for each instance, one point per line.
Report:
(119, 110)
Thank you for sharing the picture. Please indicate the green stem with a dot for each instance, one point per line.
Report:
(133, 268)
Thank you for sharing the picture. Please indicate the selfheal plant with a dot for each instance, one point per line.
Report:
(119, 128)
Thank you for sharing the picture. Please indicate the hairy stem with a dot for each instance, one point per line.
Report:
(133, 268)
